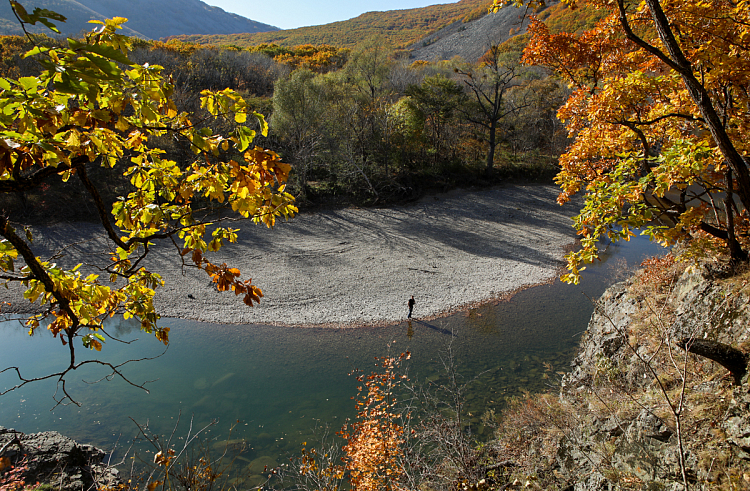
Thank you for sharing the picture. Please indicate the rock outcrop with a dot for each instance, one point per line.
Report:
(628, 373)
(54, 459)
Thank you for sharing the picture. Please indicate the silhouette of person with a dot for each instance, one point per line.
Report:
(410, 303)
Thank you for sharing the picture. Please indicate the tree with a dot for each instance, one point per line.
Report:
(434, 102)
(660, 118)
(496, 74)
(299, 105)
(374, 440)
(535, 124)
(91, 107)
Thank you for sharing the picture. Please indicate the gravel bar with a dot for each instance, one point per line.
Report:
(354, 267)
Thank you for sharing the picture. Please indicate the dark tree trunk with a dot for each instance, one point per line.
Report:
(730, 358)
(491, 147)
(736, 253)
(678, 62)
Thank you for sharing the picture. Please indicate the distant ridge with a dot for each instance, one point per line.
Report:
(400, 28)
(149, 19)
(434, 33)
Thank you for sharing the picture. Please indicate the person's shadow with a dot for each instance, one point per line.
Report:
(441, 330)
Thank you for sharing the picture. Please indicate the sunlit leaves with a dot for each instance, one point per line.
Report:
(42, 16)
(91, 106)
(644, 152)
(374, 439)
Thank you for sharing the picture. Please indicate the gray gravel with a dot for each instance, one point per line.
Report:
(471, 40)
(360, 266)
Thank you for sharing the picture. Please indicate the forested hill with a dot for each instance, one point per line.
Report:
(151, 19)
(437, 32)
(400, 28)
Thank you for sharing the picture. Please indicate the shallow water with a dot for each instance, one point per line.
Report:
(277, 384)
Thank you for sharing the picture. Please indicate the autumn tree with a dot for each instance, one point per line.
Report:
(320, 59)
(299, 106)
(435, 103)
(488, 83)
(534, 125)
(93, 108)
(374, 439)
(659, 116)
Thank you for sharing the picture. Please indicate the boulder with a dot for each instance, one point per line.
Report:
(54, 459)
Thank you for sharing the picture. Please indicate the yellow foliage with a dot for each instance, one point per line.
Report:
(91, 106)
(650, 149)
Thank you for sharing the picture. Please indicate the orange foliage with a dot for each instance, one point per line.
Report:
(320, 59)
(11, 50)
(374, 440)
(226, 278)
(660, 272)
(659, 120)
(561, 18)
(176, 46)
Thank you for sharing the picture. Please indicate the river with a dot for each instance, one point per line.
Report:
(275, 385)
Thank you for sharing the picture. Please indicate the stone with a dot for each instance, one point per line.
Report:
(57, 460)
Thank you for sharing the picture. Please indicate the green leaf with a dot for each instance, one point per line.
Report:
(49, 25)
(21, 12)
(29, 83)
(101, 50)
(107, 67)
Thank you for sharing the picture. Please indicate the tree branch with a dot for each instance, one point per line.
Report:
(730, 358)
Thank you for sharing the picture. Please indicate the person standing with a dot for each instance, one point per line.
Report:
(410, 303)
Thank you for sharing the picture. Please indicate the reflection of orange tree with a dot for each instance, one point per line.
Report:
(374, 439)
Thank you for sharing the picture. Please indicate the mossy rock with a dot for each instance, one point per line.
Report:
(258, 465)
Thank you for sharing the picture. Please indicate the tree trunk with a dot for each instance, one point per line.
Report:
(702, 99)
(736, 253)
(730, 358)
(491, 147)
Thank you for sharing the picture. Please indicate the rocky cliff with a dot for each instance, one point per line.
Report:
(636, 411)
(51, 458)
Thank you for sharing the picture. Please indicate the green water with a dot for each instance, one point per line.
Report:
(277, 384)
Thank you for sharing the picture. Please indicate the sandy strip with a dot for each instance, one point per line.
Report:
(360, 266)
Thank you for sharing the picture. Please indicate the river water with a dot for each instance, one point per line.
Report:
(276, 385)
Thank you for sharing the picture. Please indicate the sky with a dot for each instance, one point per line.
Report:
(289, 14)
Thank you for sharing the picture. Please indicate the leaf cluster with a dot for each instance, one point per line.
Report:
(657, 123)
(374, 438)
(92, 107)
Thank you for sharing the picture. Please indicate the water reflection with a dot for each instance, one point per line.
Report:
(279, 383)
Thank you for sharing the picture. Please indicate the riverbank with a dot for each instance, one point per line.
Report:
(359, 266)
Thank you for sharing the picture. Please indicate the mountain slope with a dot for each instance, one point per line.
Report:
(397, 27)
(470, 40)
(152, 19)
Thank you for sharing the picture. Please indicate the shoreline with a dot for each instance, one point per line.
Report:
(503, 297)
(357, 267)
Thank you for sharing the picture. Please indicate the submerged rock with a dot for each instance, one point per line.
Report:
(261, 465)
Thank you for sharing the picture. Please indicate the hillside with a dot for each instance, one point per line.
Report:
(151, 19)
(470, 40)
(397, 27)
(438, 32)
(612, 424)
